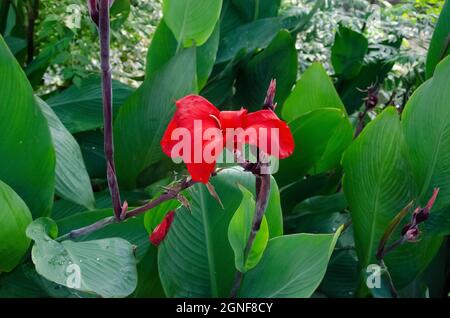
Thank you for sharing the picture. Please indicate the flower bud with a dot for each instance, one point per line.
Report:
(160, 232)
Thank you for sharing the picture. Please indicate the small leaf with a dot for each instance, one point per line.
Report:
(239, 231)
(14, 219)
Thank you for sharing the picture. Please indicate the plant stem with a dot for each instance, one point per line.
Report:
(262, 187)
(104, 30)
(169, 195)
(33, 13)
(261, 205)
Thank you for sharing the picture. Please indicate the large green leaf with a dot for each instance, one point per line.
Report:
(440, 42)
(239, 232)
(316, 149)
(14, 219)
(80, 107)
(313, 90)
(196, 259)
(143, 118)
(27, 161)
(348, 51)
(72, 179)
(378, 183)
(164, 46)
(426, 124)
(278, 61)
(292, 266)
(192, 21)
(105, 267)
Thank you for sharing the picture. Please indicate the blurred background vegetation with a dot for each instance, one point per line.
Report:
(66, 49)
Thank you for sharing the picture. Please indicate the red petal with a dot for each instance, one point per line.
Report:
(283, 142)
(160, 232)
(195, 115)
(233, 118)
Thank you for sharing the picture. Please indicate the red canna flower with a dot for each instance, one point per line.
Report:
(208, 131)
(160, 232)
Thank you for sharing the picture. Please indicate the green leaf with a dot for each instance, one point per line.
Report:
(143, 118)
(316, 149)
(426, 125)
(105, 267)
(27, 163)
(196, 259)
(154, 217)
(279, 275)
(14, 219)
(80, 108)
(72, 179)
(378, 184)
(239, 231)
(440, 42)
(164, 46)
(91, 145)
(278, 61)
(192, 21)
(347, 52)
(353, 91)
(254, 10)
(316, 210)
(149, 284)
(313, 90)
(251, 36)
(120, 10)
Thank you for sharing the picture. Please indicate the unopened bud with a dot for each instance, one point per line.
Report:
(160, 232)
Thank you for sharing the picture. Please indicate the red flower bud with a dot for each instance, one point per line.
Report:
(160, 232)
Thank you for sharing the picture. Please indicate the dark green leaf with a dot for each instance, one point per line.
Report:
(278, 61)
(80, 108)
(348, 51)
